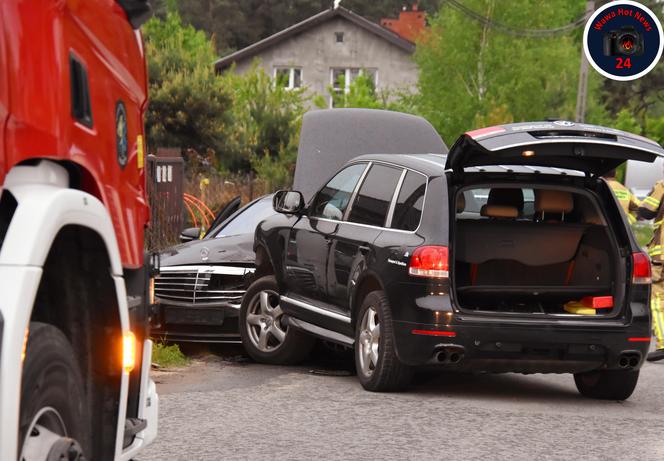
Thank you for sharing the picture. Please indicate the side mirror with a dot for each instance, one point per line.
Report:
(192, 233)
(288, 201)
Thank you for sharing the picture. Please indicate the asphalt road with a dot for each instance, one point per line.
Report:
(226, 410)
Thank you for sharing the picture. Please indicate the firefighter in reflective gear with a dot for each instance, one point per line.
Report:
(651, 208)
(627, 200)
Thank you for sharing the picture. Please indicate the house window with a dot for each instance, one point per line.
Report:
(288, 77)
(342, 78)
(339, 37)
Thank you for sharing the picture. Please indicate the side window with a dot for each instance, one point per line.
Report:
(332, 201)
(408, 209)
(247, 221)
(375, 195)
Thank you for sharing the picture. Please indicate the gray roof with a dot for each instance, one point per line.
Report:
(372, 27)
(330, 138)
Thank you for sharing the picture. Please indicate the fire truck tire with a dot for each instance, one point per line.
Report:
(54, 414)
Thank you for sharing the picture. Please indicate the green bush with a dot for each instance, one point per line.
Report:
(168, 355)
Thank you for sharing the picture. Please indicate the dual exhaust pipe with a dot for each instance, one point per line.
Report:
(629, 360)
(452, 354)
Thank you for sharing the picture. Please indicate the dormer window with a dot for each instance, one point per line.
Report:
(339, 37)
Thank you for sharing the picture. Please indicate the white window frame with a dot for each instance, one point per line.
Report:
(347, 79)
(291, 76)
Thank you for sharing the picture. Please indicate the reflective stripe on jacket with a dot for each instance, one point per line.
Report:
(628, 202)
(651, 208)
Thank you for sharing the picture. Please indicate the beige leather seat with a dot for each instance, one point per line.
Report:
(499, 211)
(553, 204)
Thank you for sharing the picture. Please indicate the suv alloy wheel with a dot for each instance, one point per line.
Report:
(378, 367)
(266, 336)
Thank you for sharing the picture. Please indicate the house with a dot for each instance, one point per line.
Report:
(329, 50)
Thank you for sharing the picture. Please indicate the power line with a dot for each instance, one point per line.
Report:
(533, 33)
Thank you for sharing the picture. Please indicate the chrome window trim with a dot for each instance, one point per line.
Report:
(207, 269)
(395, 196)
(369, 226)
(359, 181)
(353, 196)
(317, 309)
(424, 202)
(364, 173)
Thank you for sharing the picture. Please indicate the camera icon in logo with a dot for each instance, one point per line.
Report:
(625, 41)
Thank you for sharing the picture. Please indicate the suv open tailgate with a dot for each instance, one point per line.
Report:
(592, 149)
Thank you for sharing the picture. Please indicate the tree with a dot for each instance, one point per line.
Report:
(189, 106)
(643, 97)
(472, 73)
(266, 123)
(235, 24)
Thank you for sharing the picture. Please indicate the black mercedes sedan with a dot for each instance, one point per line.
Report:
(201, 282)
(509, 253)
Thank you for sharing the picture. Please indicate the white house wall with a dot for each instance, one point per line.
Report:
(315, 51)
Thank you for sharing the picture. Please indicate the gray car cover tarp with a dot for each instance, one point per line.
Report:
(330, 138)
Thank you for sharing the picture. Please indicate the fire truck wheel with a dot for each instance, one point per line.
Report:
(53, 420)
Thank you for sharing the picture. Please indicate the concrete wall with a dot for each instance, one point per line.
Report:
(316, 53)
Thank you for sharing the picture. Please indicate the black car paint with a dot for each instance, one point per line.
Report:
(495, 342)
(207, 323)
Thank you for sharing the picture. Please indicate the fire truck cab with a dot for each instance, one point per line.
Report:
(74, 280)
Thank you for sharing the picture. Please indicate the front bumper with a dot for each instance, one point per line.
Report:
(214, 324)
(521, 348)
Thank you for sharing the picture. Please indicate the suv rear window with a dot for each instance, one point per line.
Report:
(375, 195)
(408, 209)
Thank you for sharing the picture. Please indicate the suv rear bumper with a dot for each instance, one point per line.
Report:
(521, 348)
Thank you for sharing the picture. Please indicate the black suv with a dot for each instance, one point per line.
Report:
(510, 254)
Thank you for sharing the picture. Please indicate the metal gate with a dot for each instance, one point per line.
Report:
(165, 178)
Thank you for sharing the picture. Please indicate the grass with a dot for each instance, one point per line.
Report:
(168, 355)
(643, 233)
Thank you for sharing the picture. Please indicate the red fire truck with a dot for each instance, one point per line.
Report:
(74, 280)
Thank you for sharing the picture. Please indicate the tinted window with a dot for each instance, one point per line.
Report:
(408, 210)
(375, 195)
(332, 201)
(248, 219)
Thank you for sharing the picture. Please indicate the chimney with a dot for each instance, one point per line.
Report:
(410, 25)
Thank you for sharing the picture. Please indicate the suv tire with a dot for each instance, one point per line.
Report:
(607, 384)
(265, 333)
(378, 367)
(53, 399)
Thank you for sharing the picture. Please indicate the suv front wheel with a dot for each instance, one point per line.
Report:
(264, 329)
(377, 364)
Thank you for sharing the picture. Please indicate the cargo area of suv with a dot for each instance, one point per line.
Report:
(537, 250)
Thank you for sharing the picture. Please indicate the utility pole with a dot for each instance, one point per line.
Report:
(582, 92)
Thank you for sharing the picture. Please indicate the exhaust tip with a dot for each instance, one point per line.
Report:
(441, 356)
(633, 362)
(624, 362)
(454, 357)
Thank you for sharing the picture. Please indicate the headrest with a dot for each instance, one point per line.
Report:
(553, 201)
(461, 203)
(506, 197)
(499, 211)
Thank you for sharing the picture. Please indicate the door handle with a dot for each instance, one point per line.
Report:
(364, 249)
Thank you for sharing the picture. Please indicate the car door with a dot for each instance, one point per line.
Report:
(307, 253)
(351, 246)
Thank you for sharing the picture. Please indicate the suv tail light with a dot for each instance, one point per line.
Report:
(641, 271)
(430, 261)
